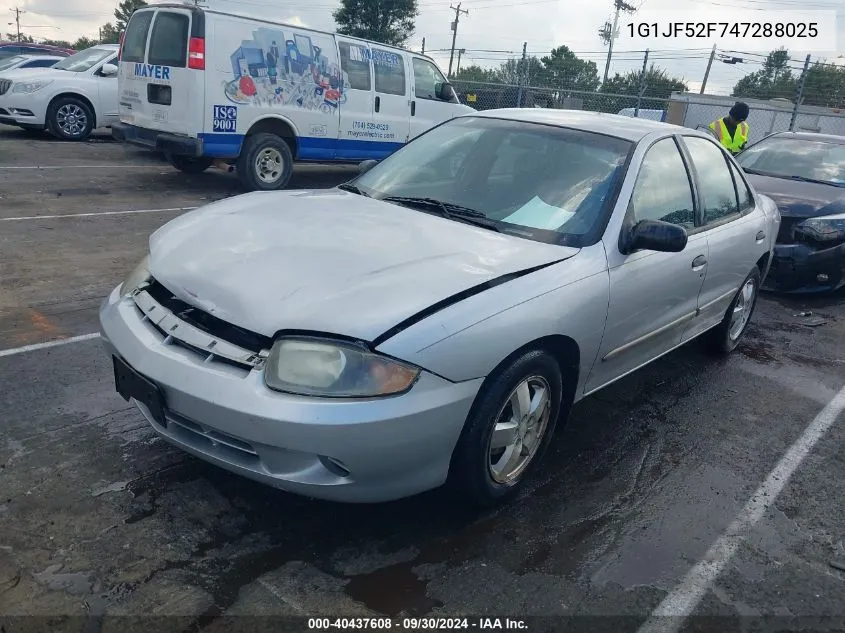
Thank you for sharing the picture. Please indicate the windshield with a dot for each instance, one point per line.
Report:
(537, 181)
(796, 158)
(85, 60)
(10, 62)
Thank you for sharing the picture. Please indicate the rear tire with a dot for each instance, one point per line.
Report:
(725, 337)
(70, 119)
(190, 164)
(487, 470)
(265, 163)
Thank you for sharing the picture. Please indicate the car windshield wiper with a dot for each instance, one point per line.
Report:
(449, 210)
(817, 181)
(353, 189)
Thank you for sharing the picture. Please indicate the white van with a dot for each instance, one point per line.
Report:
(200, 84)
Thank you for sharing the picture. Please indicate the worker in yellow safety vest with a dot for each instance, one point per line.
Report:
(732, 130)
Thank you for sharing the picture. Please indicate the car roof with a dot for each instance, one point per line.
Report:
(813, 136)
(623, 127)
(31, 56)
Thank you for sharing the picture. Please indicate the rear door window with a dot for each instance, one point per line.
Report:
(169, 40)
(355, 62)
(135, 40)
(389, 71)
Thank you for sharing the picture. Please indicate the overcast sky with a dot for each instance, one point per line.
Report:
(496, 29)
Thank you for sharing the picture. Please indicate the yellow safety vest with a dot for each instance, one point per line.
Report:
(733, 145)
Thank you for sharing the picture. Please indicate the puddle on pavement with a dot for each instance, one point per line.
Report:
(757, 351)
(392, 591)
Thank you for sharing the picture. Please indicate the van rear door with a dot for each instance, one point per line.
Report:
(162, 70)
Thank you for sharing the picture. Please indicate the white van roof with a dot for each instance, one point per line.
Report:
(203, 5)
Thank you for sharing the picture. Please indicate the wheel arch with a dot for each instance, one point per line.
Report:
(279, 126)
(70, 94)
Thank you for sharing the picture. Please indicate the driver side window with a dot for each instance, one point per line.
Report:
(663, 190)
(426, 78)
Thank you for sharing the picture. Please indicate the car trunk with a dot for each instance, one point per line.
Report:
(162, 64)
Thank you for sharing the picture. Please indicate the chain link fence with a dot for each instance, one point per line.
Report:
(488, 96)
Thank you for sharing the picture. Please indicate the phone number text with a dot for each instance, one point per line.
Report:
(725, 29)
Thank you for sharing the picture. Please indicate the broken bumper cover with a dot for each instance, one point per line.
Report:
(799, 268)
(156, 140)
(389, 448)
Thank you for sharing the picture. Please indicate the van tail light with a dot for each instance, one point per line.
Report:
(196, 53)
(120, 49)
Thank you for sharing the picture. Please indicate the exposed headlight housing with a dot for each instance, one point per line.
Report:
(828, 228)
(134, 279)
(27, 87)
(335, 369)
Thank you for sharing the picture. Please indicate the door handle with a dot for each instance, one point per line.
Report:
(761, 235)
(413, 108)
(378, 103)
(699, 262)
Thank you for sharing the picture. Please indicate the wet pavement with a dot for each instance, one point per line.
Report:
(98, 516)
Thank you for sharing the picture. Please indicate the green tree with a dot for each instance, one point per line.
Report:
(658, 85)
(825, 86)
(124, 11)
(59, 43)
(84, 42)
(387, 21)
(563, 69)
(476, 74)
(774, 80)
(530, 72)
(109, 34)
(13, 37)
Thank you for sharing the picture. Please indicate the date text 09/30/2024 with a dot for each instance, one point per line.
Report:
(417, 624)
(808, 30)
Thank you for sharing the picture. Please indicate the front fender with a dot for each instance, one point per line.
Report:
(470, 339)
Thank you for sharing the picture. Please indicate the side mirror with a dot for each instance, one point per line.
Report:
(654, 235)
(366, 166)
(445, 92)
(108, 70)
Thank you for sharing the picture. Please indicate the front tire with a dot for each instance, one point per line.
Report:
(71, 119)
(725, 337)
(190, 164)
(265, 163)
(508, 429)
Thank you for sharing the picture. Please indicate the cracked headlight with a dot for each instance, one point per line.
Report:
(134, 279)
(27, 87)
(828, 228)
(335, 369)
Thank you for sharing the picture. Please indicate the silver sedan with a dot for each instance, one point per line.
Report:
(433, 320)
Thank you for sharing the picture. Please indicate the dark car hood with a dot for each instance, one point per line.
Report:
(797, 199)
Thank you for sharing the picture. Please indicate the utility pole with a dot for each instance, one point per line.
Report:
(461, 51)
(707, 72)
(521, 73)
(17, 13)
(610, 32)
(799, 97)
(423, 47)
(642, 85)
(458, 12)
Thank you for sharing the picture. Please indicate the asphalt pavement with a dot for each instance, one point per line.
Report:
(714, 485)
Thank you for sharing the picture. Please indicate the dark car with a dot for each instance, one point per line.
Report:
(805, 175)
(10, 49)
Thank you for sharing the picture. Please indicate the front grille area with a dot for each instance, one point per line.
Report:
(211, 339)
(206, 322)
(786, 233)
(5, 84)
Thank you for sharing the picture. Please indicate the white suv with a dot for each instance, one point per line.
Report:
(70, 99)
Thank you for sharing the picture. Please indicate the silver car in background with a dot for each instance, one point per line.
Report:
(432, 320)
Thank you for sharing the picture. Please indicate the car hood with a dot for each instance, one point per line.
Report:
(329, 261)
(33, 74)
(796, 199)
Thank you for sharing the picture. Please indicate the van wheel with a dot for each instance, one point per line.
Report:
(190, 164)
(265, 163)
(71, 119)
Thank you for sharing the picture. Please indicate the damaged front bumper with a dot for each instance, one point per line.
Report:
(798, 268)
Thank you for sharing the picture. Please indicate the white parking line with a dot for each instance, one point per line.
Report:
(39, 346)
(682, 601)
(91, 215)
